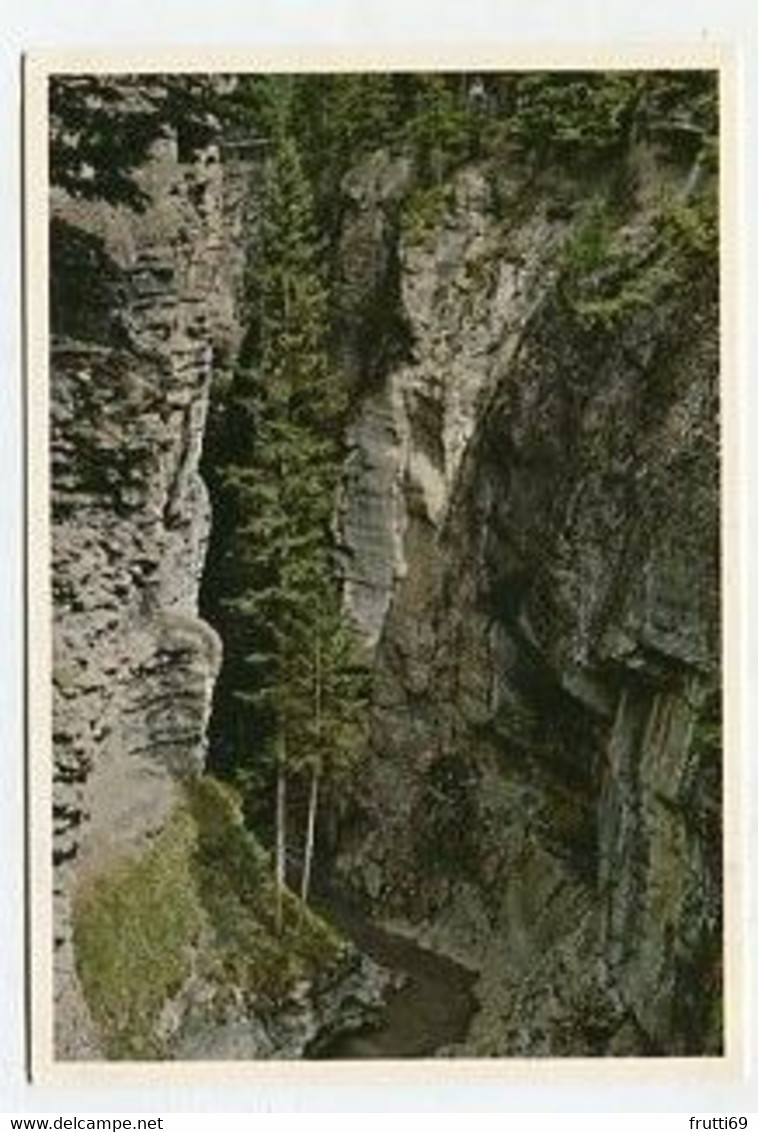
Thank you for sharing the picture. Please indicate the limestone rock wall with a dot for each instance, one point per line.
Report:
(531, 516)
(142, 308)
(458, 293)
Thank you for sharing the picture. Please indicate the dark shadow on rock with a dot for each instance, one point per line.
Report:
(86, 287)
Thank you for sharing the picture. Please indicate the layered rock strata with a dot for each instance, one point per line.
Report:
(141, 302)
(541, 589)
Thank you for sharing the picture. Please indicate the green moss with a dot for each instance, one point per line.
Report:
(589, 246)
(423, 212)
(691, 228)
(134, 929)
(236, 886)
(199, 901)
(609, 273)
(631, 294)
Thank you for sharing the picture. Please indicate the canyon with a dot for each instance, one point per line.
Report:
(527, 536)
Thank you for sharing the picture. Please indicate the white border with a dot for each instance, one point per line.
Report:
(740, 650)
(45, 1068)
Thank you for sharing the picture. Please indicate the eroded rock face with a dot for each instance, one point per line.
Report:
(543, 595)
(350, 998)
(140, 304)
(454, 303)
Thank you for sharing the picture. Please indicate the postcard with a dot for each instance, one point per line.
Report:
(381, 681)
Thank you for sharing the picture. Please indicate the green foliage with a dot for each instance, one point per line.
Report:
(236, 889)
(423, 211)
(339, 118)
(290, 402)
(134, 930)
(199, 901)
(96, 141)
(589, 246)
(608, 271)
(333, 688)
(587, 113)
(289, 663)
(680, 109)
(439, 129)
(102, 128)
(691, 227)
(587, 116)
(333, 121)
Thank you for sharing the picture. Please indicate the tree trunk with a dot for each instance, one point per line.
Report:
(310, 834)
(281, 840)
(315, 775)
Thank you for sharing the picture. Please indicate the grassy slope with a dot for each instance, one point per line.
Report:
(198, 903)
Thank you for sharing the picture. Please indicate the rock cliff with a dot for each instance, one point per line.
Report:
(527, 528)
(165, 943)
(530, 520)
(139, 303)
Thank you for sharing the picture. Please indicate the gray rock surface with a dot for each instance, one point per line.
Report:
(351, 997)
(462, 297)
(142, 302)
(146, 315)
(528, 528)
(541, 584)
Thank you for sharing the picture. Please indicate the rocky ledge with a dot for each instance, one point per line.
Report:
(348, 998)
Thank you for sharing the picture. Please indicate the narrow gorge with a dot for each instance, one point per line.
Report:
(386, 565)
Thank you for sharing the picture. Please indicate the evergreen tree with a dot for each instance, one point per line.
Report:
(440, 128)
(102, 127)
(283, 481)
(339, 689)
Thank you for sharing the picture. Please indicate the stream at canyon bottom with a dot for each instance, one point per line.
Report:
(431, 1010)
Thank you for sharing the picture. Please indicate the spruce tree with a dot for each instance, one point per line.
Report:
(337, 681)
(440, 126)
(290, 404)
